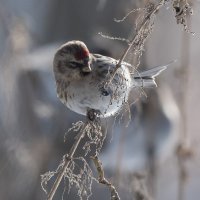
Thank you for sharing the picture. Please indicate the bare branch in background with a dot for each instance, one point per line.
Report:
(184, 150)
(139, 188)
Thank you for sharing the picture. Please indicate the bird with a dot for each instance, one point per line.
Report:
(81, 76)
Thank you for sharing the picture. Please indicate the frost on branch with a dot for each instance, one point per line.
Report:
(78, 174)
(93, 131)
(96, 137)
(75, 128)
(76, 171)
(45, 178)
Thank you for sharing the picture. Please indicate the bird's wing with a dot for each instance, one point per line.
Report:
(104, 61)
(103, 65)
(155, 71)
(147, 78)
(151, 73)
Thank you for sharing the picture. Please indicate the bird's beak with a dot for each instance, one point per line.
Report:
(87, 68)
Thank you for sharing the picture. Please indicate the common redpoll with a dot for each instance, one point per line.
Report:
(80, 79)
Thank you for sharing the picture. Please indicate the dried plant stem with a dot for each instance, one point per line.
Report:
(66, 162)
(103, 180)
(133, 41)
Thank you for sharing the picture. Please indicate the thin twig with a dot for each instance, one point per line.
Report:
(114, 38)
(143, 24)
(125, 17)
(67, 161)
(103, 180)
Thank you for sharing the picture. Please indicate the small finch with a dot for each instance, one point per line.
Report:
(80, 79)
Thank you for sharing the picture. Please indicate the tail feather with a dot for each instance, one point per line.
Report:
(147, 78)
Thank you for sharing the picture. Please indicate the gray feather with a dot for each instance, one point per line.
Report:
(147, 78)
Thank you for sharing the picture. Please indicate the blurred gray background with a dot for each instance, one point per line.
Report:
(33, 121)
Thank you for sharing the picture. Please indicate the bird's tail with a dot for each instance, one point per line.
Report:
(147, 78)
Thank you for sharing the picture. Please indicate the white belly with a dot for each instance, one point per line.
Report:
(84, 94)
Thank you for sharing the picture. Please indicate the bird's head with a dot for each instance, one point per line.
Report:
(72, 60)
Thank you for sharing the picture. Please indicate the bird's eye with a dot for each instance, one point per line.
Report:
(74, 64)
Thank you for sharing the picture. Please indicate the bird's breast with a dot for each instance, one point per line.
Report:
(89, 92)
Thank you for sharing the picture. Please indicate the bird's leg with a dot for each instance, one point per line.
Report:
(92, 114)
